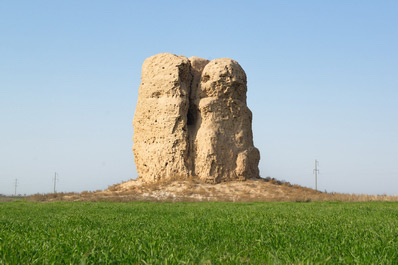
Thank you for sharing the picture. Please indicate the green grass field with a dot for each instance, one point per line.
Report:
(198, 233)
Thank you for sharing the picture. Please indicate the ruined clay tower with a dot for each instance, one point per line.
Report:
(192, 120)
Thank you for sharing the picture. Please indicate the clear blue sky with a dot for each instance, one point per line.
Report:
(322, 80)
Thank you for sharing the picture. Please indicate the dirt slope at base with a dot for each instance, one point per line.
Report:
(194, 190)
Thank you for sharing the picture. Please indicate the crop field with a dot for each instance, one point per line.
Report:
(198, 233)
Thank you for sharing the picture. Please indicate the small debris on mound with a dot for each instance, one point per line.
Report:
(196, 190)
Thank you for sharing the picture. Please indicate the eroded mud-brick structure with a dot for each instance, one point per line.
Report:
(192, 121)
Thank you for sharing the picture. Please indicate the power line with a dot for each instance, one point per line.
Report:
(55, 182)
(316, 171)
(15, 187)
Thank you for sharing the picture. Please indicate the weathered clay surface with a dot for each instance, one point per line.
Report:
(224, 141)
(160, 119)
(192, 120)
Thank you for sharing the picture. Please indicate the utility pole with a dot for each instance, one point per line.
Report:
(15, 187)
(316, 171)
(55, 182)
